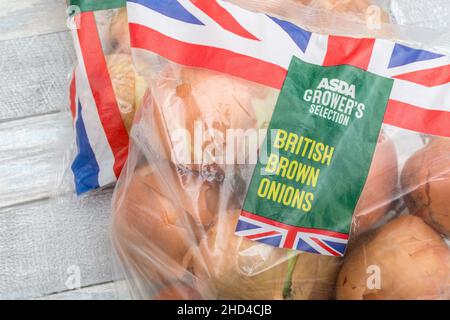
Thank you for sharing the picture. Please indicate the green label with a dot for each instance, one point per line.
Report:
(319, 147)
(95, 5)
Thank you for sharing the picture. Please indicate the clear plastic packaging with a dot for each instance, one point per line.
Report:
(180, 198)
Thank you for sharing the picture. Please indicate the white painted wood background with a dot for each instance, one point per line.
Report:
(44, 228)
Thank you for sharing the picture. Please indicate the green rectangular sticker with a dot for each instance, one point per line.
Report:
(316, 158)
(95, 5)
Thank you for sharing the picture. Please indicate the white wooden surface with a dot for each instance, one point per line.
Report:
(34, 73)
(25, 18)
(429, 13)
(99, 292)
(33, 157)
(45, 230)
(41, 241)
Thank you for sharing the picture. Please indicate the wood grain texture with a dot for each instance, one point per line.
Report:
(39, 241)
(107, 291)
(24, 18)
(34, 75)
(34, 158)
(429, 14)
(40, 237)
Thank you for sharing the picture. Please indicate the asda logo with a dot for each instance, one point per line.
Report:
(338, 86)
(335, 100)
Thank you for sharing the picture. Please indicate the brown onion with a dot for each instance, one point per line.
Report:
(177, 292)
(151, 232)
(426, 182)
(211, 102)
(379, 190)
(405, 259)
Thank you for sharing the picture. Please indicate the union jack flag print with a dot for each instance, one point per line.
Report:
(280, 235)
(101, 136)
(223, 37)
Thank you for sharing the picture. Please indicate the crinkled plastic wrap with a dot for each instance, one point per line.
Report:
(174, 221)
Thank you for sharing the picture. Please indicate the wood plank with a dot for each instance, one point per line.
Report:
(428, 14)
(34, 158)
(107, 291)
(26, 18)
(34, 75)
(39, 241)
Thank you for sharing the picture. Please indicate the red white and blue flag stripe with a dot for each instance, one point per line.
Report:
(220, 36)
(101, 136)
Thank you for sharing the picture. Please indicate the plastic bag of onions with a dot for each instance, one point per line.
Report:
(266, 158)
